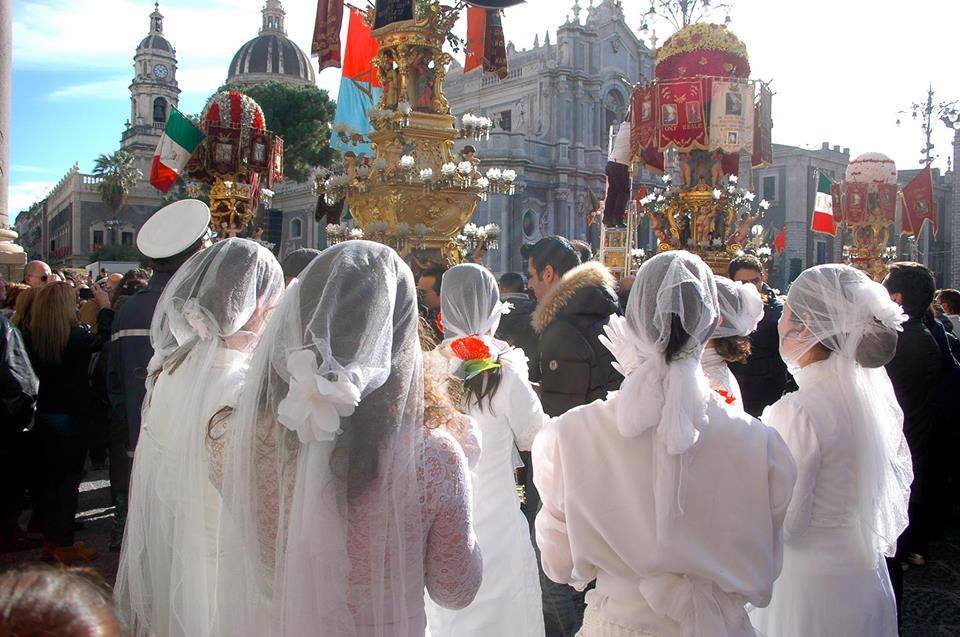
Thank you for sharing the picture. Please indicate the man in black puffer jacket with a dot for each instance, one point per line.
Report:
(574, 304)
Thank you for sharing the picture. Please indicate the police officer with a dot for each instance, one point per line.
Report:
(168, 238)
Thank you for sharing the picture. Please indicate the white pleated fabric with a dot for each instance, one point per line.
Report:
(741, 308)
(323, 525)
(206, 324)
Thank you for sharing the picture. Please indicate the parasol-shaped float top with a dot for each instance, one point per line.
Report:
(872, 168)
(234, 109)
(702, 49)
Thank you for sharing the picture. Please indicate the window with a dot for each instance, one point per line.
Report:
(821, 252)
(160, 110)
(296, 228)
(770, 188)
(98, 237)
(529, 224)
(506, 120)
(126, 238)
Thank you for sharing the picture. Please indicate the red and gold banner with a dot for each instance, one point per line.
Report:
(918, 204)
(855, 202)
(887, 201)
(486, 46)
(643, 128)
(837, 195)
(681, 115)
(326, 33)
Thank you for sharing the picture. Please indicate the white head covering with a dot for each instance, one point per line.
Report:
(224, 292)
(841, 309)
(673, 289)
(741, 308)
(470, 302)
(174, 228)
(332, 416)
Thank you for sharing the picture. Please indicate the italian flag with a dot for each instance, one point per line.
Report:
(180, 138)
(823, 220)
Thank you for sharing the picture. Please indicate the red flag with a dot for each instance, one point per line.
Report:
(837, 194)
(855, 202)
(326, 33)
(360, 50)
(887, 201)
(486, 46)
(780, 241)
(918, 204)
(682, 115)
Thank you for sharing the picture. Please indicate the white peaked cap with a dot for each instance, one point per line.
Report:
(173, 228)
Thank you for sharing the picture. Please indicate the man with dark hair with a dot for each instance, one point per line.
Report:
(949, 301)
(915, 372)
(428, 295)
(296, 262)
(515, 327)
(584, 251)
(763, 378)
(168, 239)
(574, 304)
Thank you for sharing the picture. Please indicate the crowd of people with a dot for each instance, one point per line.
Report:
(345, 445)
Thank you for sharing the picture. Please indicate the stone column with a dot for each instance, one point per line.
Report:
(12, 256)
(954, 216)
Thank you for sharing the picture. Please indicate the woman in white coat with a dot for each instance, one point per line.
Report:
(498, 395)
(845, 430)
(741, 309)
(666, 496)
(206, 325)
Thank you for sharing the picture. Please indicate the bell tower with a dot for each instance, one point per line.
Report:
(153, 92)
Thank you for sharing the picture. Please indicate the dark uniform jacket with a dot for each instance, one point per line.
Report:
(516, 328)
(130, 352)
(18, 383)
(575, 368)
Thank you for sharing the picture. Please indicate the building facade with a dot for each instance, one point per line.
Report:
(553, 115)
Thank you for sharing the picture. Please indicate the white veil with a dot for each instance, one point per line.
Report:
(674, 288)
(741, 308)
(470, 302)
(841, 309)
(323, 527)
(218, 299)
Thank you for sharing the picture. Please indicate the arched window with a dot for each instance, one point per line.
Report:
(160, 110)
(296, 228)
(614, 109)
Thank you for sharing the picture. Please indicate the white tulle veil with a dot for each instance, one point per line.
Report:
(322, 525)
(841, 309)
(672, 288)
(214, 307)
(741, 308)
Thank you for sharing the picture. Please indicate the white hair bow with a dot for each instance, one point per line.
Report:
(316, 399)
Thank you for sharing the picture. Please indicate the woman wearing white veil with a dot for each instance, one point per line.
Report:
(669, 499)
(205, 327)
(741, 309)
(498, 395)
(339, 505)
(845, 429)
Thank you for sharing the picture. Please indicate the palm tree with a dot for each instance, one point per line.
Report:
(118, 176)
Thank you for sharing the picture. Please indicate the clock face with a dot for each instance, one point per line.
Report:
(160, 71)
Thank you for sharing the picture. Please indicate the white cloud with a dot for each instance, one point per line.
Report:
(24, 194)
(110, 89)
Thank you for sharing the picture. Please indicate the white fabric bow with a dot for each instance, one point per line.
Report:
(315, 404)
(196, 318)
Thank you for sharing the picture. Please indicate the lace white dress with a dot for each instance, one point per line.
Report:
(825, 587)
(508, 602)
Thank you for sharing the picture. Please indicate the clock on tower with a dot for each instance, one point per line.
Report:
(160, 71)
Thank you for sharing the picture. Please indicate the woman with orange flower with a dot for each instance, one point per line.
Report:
(498, 395)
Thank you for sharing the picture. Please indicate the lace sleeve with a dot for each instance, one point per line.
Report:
(454, 566)
(217, 440)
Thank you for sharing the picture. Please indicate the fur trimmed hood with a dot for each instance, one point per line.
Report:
(586, 289)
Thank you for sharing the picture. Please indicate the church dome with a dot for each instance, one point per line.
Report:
(271, 56)
(155, 42)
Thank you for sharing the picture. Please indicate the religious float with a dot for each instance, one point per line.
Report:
(236, 163)
(697, 123)
(864, 207)
(411, 192)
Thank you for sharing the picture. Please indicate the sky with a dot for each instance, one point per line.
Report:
(842, 70)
